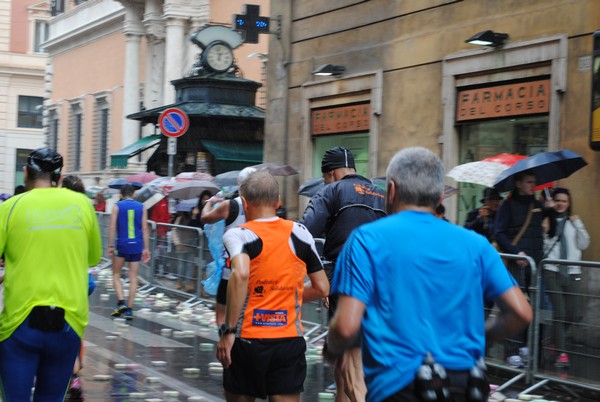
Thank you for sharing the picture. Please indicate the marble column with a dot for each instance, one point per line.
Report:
(133, 31)
(155, 58)
(174, 55)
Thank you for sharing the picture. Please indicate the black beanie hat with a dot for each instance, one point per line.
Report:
(336, 158)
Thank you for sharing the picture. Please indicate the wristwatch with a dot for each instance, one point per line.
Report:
(225, 329)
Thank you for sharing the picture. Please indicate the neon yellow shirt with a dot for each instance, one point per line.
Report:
(49, 237)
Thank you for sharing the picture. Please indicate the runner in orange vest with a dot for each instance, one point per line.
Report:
(262, 346)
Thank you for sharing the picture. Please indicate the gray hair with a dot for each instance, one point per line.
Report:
(260, 188)
(419, 176)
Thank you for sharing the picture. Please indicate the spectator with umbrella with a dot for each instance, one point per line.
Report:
(481, 219)
(519, 228)
(519, 231)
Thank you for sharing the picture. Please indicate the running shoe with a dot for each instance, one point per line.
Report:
(128, 314)
(119, 311)
(75, 393)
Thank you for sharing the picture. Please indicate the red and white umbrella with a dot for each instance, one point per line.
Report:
(143, 177)
(480, 172)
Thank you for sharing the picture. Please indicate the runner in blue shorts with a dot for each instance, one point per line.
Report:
(128, 222)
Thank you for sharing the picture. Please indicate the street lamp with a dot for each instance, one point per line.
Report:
(330, 69)
(488, 38)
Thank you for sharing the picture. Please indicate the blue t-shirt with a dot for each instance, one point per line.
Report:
(130, 238)
(423, 281)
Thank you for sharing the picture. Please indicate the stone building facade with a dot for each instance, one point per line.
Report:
(408, 74)
(23, 28)
(109, 59)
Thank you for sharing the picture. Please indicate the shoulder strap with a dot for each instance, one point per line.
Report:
(524, 227)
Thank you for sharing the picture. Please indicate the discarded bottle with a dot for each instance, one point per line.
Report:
(432, 381)
(478, 388)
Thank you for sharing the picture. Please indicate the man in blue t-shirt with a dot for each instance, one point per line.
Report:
(417, 286)
(128, 221)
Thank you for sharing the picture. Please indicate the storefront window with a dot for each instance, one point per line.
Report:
(358, 144)
(21, 161)
(523, 136)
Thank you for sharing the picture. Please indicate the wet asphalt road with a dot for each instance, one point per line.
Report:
(166, 353)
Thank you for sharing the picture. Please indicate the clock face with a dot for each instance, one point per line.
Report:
(219, 57)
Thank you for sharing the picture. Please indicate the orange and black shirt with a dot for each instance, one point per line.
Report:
(281, 254)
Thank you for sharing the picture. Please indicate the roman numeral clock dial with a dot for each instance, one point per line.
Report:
(218, 56)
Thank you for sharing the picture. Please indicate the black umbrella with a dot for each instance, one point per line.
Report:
(311, 186)
(547, 167)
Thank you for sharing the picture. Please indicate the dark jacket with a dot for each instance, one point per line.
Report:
(511, 216)
(483, 225)
(339, 208)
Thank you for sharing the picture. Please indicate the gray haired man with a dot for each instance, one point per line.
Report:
(414, 286)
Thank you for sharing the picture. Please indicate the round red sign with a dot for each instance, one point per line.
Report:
(173, 122)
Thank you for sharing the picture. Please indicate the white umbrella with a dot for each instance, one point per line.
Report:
(226, 178)
(186, 190)
(154, 198)
(480, 172)
(276, 169)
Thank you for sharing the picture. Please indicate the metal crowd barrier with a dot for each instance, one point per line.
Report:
(178, 264)
(567, 351)
(540, 352)
(180, 255)
(519, 345)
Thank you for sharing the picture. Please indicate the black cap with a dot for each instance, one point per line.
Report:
(45, 160)
(490, 193)
(336, 158)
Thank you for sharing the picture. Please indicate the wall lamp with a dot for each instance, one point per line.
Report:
(488, 38)
(330, 69)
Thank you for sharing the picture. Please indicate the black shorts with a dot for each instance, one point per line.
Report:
(222, 292)
(264, 367)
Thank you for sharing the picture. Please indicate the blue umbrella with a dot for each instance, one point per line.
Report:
(119, 183)
(186, 205)
(547, 167)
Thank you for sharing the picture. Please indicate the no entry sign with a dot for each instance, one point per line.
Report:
(173, 122)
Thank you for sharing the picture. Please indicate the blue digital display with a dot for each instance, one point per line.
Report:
(240, 22)
(261, 24)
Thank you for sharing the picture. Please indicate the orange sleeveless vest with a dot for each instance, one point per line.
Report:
(275, 285)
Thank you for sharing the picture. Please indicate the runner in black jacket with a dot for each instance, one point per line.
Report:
(334, 212)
